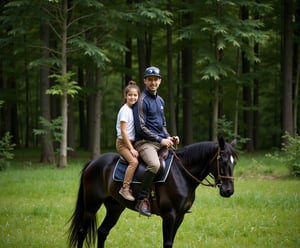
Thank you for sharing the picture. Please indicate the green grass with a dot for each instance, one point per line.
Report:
(36, 202)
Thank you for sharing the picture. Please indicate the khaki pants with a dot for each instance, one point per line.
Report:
(132, 161)
(148, 152)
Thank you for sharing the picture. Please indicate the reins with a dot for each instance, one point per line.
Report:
(208, 183)
(191, 175)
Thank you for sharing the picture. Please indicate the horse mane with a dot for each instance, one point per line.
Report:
(198, 151)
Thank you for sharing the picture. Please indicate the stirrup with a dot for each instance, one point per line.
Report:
(144, 208)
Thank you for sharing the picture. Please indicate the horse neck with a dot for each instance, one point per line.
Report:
(198, 157)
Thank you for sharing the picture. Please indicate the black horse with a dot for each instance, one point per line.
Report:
(170, 200)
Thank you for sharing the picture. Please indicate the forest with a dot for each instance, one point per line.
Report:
(229, 67)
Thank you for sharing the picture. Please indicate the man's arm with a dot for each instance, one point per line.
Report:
(140, 117)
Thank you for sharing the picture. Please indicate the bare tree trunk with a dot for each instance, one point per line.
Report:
(216, 86)
(187, 72)
(83, 138)
(27, 97)
(128, 60)
(64, 99)
(297, 66)
(238, 92)
(247, 93)
(90, 79)
(141, 58)
(215, 112)
(47, 151)
(172, 127)
(97, 118)
(247, 112)
(71, 129)
(296, 90)
(255, 104)
(287, 70)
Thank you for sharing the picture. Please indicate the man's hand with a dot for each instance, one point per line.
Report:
(175, 140)
(167, 142)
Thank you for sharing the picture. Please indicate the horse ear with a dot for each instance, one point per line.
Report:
(221, 143)
(233, 143)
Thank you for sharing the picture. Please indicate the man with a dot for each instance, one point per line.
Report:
(151, 133)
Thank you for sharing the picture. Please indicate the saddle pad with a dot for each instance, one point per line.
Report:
(121, 166)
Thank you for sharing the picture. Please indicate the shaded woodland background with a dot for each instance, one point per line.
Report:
(231, 60)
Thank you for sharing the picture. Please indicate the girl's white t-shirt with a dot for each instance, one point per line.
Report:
(125, 114)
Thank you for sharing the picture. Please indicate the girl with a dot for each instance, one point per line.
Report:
(126, 136)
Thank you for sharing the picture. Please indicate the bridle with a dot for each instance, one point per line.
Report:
(218, 157)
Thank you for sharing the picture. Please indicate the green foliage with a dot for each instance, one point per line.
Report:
(225, 129)
(149, 12)
(91, 50)
(213, 69)
(51, 128)
(229, 32)
(6, 149)
(290, 155)
(64, 85)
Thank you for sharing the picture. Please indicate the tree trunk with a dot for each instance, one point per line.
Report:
(83, 138)
(172, 127)
(297, 67)
(216, 87)
(256, 104)
(187, 72)
(64, 99)
(215, 111)
(128, 60)
(247, 103)
(237, 97)
(247, 94)
(141, 59)
(47, 152)
(27, 97)
(287, 70)
(71, 129)
(96, 125)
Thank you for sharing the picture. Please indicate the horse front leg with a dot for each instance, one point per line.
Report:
(168, 230)
(171, 223)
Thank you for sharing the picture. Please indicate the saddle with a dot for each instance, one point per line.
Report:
(165, 158)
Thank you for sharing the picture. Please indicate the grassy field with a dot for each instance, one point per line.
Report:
(36, 202)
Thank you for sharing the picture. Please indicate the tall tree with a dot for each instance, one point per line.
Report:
(296, 67)
(47, 151)
(172, 123)
(287, 68)
(247, 91)
(187, 81)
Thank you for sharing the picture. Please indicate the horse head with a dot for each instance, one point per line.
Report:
(223, 166)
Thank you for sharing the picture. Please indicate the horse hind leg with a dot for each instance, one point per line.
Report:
(87, 230)
(113, 213)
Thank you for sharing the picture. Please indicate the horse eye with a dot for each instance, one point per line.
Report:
(225, 158)
(222, 170)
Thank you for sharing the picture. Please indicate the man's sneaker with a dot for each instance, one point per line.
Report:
(126, 193)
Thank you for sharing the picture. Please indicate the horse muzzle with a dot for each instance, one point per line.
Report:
(226, 189)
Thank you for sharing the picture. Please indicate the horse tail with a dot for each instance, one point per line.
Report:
(76, 229)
